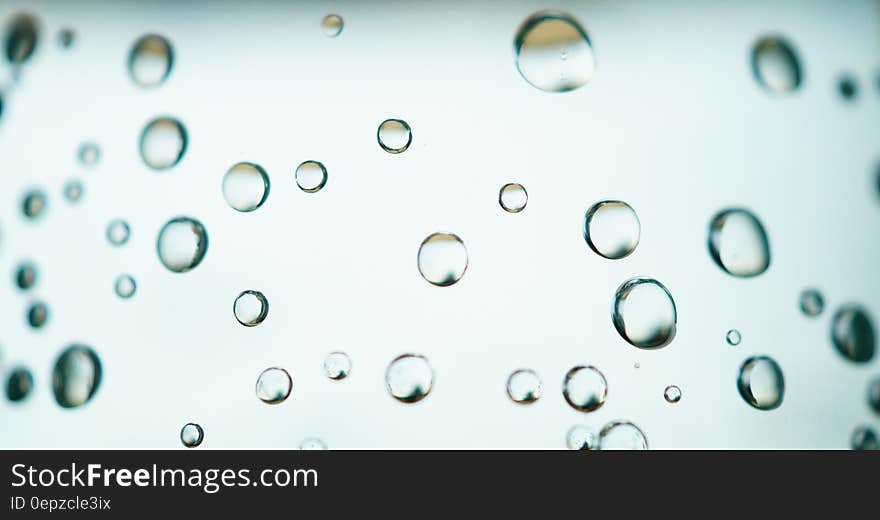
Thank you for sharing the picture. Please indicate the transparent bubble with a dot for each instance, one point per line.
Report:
(37, 315)
(150, 60)
(442, 259)
(852, 333)
(644, 314)
(874, 394)
(73, 191)
(513, 197)
(89, 154)
(775, 65)
(66, 37)
(337, 365)
(738, 243)
(191, 435)
(524, 386)
(245, 186)
(26, 276)
(581, 438)
(409, 378)
(553, 52)
(812, 303)
(848, 88)
(585, 388)
(612, 229)
(125, 286)
(672, 394)
(864, 438)
(251, 308)
(118, 232)
(163, 142)
(274, 385)
(21, 38)
(733, 337)
(394, 135)
(19, 384)
(331, 25)
(311, 176)
(312, 444)
(182, 244)
(34, 204)
(621, 435)
(760, 383)
(76, 376)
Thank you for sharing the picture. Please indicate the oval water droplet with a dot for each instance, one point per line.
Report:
(644, 314)
(331, 25)
(513, 197)
(89, 154)
(585, 388)
(612, 229)
(733, 337)
(442, 259)
(245, 186)
(848, 87)
(125, 286)
(312, 444)
(581, 438)
(26, 275)
(73, 190)
(852, 333)
(874, 394)
(409, 378)
(311, 176)
(76, 376)
(553, 52)
(118, 232)
(182, 244)
(622, 435)
(337, 365)
(34, 204)
(524, 386)
(66, 37)
(38, 315)
(864, 438)
(22, 35)
(163, 143)
(812, 303)
(274, 385)
(738, 243)
(775, 65)
(394, 135)
(251, 308)
(761, 383)
(19, 384)
(150, 60)
(672, 394)
(191, 435)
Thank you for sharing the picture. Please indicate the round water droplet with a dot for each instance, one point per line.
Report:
(848, 88)
(620, 435)
(163, 142)
(852, 333)
(760, 383)
(66, 37)
(19, 384)
(331, 25)
(864, 438)
(553, 52)
(581, 437)
(251, 308)
(26, 276)
(672, 394)
(245, 186)
(76, 376)
(738, 243)
(612, 229)
(874, 394)
(442, 259)
(125, 286)
(812, 303)
(311, 176)
(21, 38)
(118, 232)
(274, 385)
(150, 60)
(524, 386)
(394, 135)
(775, 65)
(733, 337)
(38, 315)
(337, 365)
(513, 197)
(89, 154)
(191, 435)
(34, 204)
(312, 444)
(644, 314)
(409, 378)
(182, 244)
(585, 388)
(73, 190)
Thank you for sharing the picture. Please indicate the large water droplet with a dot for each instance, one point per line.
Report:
(409, 378)
(524, 386)
(852, 333)
(585, 388)
(34, 204)
(775, 65)
(733, 337)
(864, 438)
(738, 243)
(26, 276)
(812, 303)
(118, 232)
(245, 186)
(19, 384)
(163, 142)
(150, 60)
(513, 197)
(182, 244)
(672, 394)
(251, 308)
(21, 39)
(311, 176)
(312, 444)
(37, 315)
(191, 435)
(644, 314)
(760, 383)
(274, 385)
(621, 435)
(553, 52)
(394, 135)
(76, 376)
(331, 25)
(442, 259)
(125, 286)
(337, 365)
(612, 229)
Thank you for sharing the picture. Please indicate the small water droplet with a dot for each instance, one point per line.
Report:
(163, 142)
(182, 244)
(66, 36)
(38, 315)
(612, 229)
(191, 435)
(150, 60)
(394, 135)
(337, 365)
(585, 388)
(524, 386)
(864, 438)
(21, 38)
(775, 65)
(760, 383)
(125, 286)
(89, 154)
(581, 438)
(311, 176)
(621, 435)
(553, 52)
(848, 87)
(251, 308)
(513, 197)
(874, 394)
(73, 191)
(118, 232)
(76, 376)
(738, 243)
(409, 378)
(26, 275)
(331, 25)
(245, 186)
(442, 259)
(34, 204)
(313, 444)
(644, 314)
(672, 394)
(19, 384)
(274, 385)
(852, 333)
(733, 337)
(812, 303)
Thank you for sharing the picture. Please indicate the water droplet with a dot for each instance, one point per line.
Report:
(19, 384)
(311, 176)
(874, 394)
(251, 308)
(733, 337)
(581, 437)
(394, 135)
(125, 286)
(760, 383)
(163, 143)
(73, 191)
(337, 365)
(150, 60)
(76, 377)
(644, 314)
(118, 232)
(524, 386)
(620, 435)
(553, 52)
(34, 204)
(191, 435)
(585, 388)
(848, 88)
(409, 378)
(245, 186)
(442, 259)
(672, 394)
(182, 244)
(513, 197)
(274, 385)
(864, 438)
(775, 65)
(21, 39)
(738, 243)
(612, 229)
(26, 276)
(66, 37)
(812, 302)
(331, 25)
(312, 444)
(89, 154)
(852, 333)
(38, 315)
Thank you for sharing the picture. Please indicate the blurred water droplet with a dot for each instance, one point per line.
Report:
(66, 36)
(409, 378)
(191, 435)
(581, 438)
(182, 244)
(553, 52)
(311, 176)
(672, 394)
(864, 438)
(733, 337)
(19, 384)
(394, 135)
(644, 314)
(620, 435)
(274, 385)
(73, 191)
(118, 232)
(34, 204)
(331, 25)
(89, 154)
(738, 243)
(852, 333)
(775, 65)
(513, 197)
(585, 388)
(337, 365)
(612, 229)
(37, 315)
(245, 186)
(251, 308)
(312, 444)
(125, 286)
(874, 394)
(761, 383)
(163, 142)
(150, 60)
(442, 259)
(26, 276)
(76, 376)
(812, 303)
(21, 38)
(524, 386)
(848, 87)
